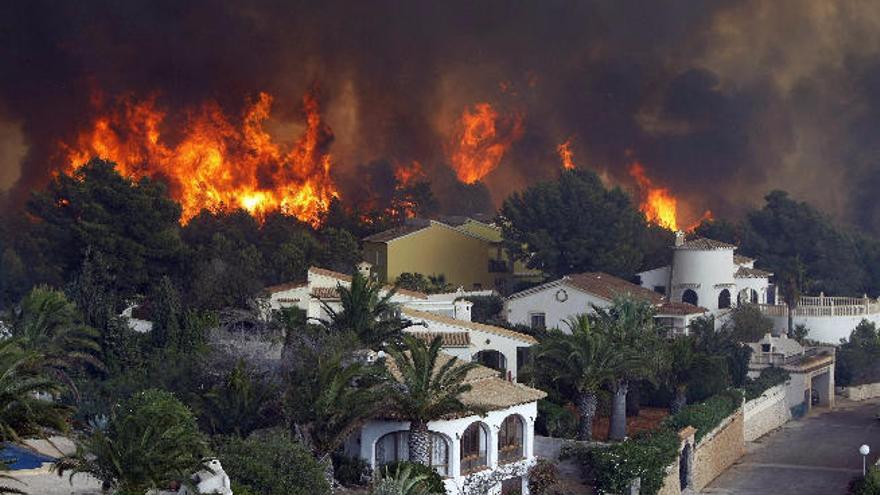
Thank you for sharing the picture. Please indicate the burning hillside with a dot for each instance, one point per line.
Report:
(216, 161)
(480, 140)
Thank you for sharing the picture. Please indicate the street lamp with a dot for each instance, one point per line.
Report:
(864, 450)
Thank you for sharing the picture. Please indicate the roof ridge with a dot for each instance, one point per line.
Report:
(473, 325)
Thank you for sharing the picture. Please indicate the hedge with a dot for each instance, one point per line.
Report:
(707, 415)
(770, 377)
(647, 454)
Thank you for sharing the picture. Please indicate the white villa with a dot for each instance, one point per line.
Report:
(549, 305)
(497, 448)
(708, 273)
(494, 451)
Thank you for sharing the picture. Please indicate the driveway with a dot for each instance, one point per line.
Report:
(817, 455)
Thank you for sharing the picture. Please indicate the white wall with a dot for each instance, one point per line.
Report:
(519, 309)
(707, 268)
(766, 413)
(825, 329)
(452, 430)
(654, 278)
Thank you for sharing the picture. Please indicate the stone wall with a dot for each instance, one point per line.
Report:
(862, 392)
(718, 450)
(765, 413)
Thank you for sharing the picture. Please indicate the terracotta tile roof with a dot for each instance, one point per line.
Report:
(608, 286)
(488, 391)
(744, 272)
(347, 278)
(702, 243)
(284, 287)
(503, 332)
(449, 339)
(326, 293)
(742, 260)
(413, 225)
(679, 309)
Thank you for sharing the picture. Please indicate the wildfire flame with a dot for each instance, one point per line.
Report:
(407, 175)
(657, 203)
(481, 140)
(215, 164)
(566, 155)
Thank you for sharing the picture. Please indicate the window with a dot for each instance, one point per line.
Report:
(473, 448)
(491, 358)
(497, 266)
(724, 299)
(538, 321)
(394, 447)
(690, 297)
(478, 286)
(510, 439)
(660, 289)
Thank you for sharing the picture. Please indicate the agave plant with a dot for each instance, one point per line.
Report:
(403, 481)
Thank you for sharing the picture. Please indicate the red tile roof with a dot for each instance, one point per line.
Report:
(744, 272)
(347, 278)
(679, 309)
(449, 339)
(704, 244)
(608, 287)
(272, 289)
(413, 313)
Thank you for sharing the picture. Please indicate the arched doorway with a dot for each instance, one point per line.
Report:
(685, 462)
(690, 297)
(491, 358)
(724, 299)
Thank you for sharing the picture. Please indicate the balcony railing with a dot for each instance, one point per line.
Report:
(816, 306)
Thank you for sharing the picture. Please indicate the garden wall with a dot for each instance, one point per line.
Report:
(765, 413)
(862, 392)
(718, 450)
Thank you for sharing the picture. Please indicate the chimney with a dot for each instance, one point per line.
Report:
(679, 238)
(365, 269)
(462, 309)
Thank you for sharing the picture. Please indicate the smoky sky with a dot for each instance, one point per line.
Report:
(721, 101)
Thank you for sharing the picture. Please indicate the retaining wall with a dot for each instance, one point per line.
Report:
(862, 392)
(765, 413)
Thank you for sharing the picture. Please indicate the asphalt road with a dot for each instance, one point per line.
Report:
(817, 455)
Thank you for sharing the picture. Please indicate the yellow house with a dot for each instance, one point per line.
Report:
(467, 252)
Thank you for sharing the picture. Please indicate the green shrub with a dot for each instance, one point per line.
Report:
(770, 377)
(270, 462)
(351, 471)
(869, 485)
(543, 477)
(706, 415)
(555, 420)
(433, 482)
(645, 456)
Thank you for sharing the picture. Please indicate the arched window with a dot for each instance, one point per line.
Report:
(690, 297)
(724, 299)
(748, 296)
(474, 441)
(394, 447)
(510, 439)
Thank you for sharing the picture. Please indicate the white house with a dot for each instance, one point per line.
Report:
(811, 369)
(495, 347)
(549, 305)
(707, 273)
(497, 447)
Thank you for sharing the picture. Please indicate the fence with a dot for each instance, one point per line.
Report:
(823, 305)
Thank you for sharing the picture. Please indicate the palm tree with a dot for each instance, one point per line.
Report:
(629, 325)
(582, 361)
(329, 395)
(366, 312)
(149, 442)
(682, 357)
(45, 322)
(242, 403)
(427, 386)
(25, 405)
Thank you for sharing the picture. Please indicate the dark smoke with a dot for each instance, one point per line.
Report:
(720, 100)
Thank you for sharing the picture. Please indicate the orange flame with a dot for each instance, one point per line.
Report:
(407, 175)
(657, 203)
(215, 165)
(480, 141)
(566, 155)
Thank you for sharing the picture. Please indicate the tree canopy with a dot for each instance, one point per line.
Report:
(576, 224)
